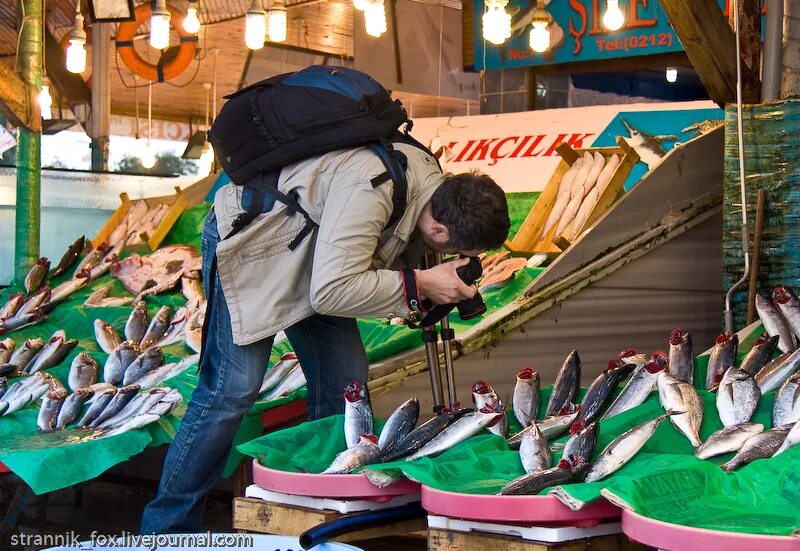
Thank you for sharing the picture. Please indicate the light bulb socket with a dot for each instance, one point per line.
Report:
(541, 15)
(77, 32)
(161, 10)
(257, 8)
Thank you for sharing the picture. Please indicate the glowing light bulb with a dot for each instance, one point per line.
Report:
(276, 23)
(539, 37)
(76, 51)
(496, 22)
(375, 18)
(255, 27)
(672, 74)
(360, 5)
(191, 23)
(159, 26)
(613, 19)
(206, 160)
(148, 156)
(45, 103)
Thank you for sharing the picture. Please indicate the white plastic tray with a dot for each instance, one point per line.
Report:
(338, 505)
(548, 534)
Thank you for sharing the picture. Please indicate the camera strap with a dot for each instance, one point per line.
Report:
(435, 315)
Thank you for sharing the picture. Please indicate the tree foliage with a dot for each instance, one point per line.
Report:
(167, 164)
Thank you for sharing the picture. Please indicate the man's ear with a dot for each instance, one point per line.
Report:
(439, 233)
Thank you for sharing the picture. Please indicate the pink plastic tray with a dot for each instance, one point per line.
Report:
(4, 469)
(674, 537)
(328, 485)
(510, 509)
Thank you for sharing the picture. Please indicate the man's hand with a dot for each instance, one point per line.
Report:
(442, 285)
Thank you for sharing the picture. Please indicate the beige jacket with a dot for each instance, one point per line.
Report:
(341, 269)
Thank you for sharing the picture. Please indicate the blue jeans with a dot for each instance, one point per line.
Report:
(330, 352)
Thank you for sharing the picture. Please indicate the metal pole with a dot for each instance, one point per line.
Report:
(447, 336)
(29, 146)
(751, 296)
(771, 82)
(430, 339)
(100, 120)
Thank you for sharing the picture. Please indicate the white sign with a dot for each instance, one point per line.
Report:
(7, 140)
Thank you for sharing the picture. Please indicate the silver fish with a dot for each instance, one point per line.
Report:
(681, 355)
(48, 412)
(630, 356)
(137, 422)
(551, 427)
(136, 325)
(566, 386)
(646, 145)
(11, 307)
(110, 258)
(277, 373)
(723, 355)
(678, 396)
(622, 449)
(144, 364)
(72, 407)
(92, 258)
(760, 354)
(124, 395)
(6, 349)
(140, 403)
(423, 434)
(20, 321)
(82, 372)
(791, 440)
(191, 287)
(25, 384)
(364, 452)
(106, 336)
(582, 441)
(295, 380)
(786, 409)
(34, 303)
(601, 390)
(566, 472)
(46, 358)
(118, 361)
(100, 400)
(3, 387)
(167, 371)
(727, 439)
(68, 288)
(157, 328)
(777, 371)
(760, 446)
(357, 413)
(788, 305)
(467, 426)
(400, 423)
(737, 397)
(69, 258)
(177, 325)
(101, 298)
(639, 387)
(775, 324)
(194, 333)
(23, 355)
(167, 403)
(534, 452)
(526, 397)
(36, 275)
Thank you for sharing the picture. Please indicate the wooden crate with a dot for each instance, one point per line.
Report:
(149, 243)
(447, 540)
(529, 239)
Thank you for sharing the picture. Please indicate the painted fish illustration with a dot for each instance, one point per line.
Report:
(647, 146)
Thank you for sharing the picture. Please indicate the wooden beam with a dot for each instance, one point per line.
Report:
(18, 101)
(750, 30)
(710, 44)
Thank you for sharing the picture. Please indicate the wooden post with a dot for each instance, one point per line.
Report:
(100, 120)
(18, 101)
(750, 29)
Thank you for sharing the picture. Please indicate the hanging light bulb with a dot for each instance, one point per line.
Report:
(206, 160)
(360, 5)
(375, 18)
(76, 51)
(159, 26)
(191, 23)
(539, 37)
(276, 22)
(255, 26)
(496, 22)
(148, 156)
(613, 19)
(46, 103)
(671, 74)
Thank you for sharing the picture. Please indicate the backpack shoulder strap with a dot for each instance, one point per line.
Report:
(396, 164)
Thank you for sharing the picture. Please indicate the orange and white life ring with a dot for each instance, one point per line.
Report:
(168, 67)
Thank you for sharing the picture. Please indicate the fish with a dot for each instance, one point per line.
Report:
(118, 362)
(582, 440)
(83, 372)
(72, 407)
(465, 427)
(124, 395)
(598, 162)
(193, 332)
(623, 448)
(47, 356)
(727, 439)
(24, 354)
(775, 324)
(156, 272)
(482, 394)
(48, 412)
(639, 387)
(157, 328)
(167, 371)
(421, 435)
(777, 371)
(68, 288)
(737, 397)
(140, 403)
(681, 398)
(278, 372)
(791, 440)
(607, 174)
(565, 472)
(759, 446)
(723, 355)
(400, 423)
(24, 384)
(34, 303)
(562, 196)
(572, 208)
(760, 354)
(601, 390)
(6, 349)
(137, 422)
(10, 308)
(106, 336)
(63, 351)
(647, 146)
(192, 288)
(789, 305)
(364, 452)
(551, 427)
(147, 361)
(496, 280)
(357, 413)
(681, 355)
(176, 328)
(102, 299)
(492, 260)
(136, 326)
(20, 321)
(28, 391)
(526, 396)
(534, 452)
(3, 387)
(71, 255)
(36, 275)
(786, 409)
(586, 208)
(92, 258)
(100, 400)
(296, 379)
(567, 384)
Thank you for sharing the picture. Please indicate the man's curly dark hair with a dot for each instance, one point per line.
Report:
(474, 209)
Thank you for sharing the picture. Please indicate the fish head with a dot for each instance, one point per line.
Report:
(723, 339)
(577, 427)
(658, 362)
(781, 295)
(737, 374)
(631, 130)
(154, 353)
(527, 374)
(84, 274)
(569, 409)
(354, 392)
(128, 345)
(43, 262)
(763, 339)
(130, 389)
(4, 346)
(677, 336)
(494, 407)
(627, 353)
(481, 387)
(368, 438)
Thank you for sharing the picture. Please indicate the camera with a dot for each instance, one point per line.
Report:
(472, 307)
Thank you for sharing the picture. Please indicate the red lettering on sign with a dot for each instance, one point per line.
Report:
(464, 151)
(536, 142)
(552, 150)
(575, 32)
(576, 140)
(481, 150)
(634, 15)
(596, 18)
(495, 154)
(520, 146)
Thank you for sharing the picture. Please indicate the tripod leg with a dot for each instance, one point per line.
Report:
(430, 339)
(448, 335)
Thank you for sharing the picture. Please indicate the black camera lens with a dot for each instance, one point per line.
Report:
(471, 307)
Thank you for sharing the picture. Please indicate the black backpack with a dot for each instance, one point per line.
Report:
(294, 116)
